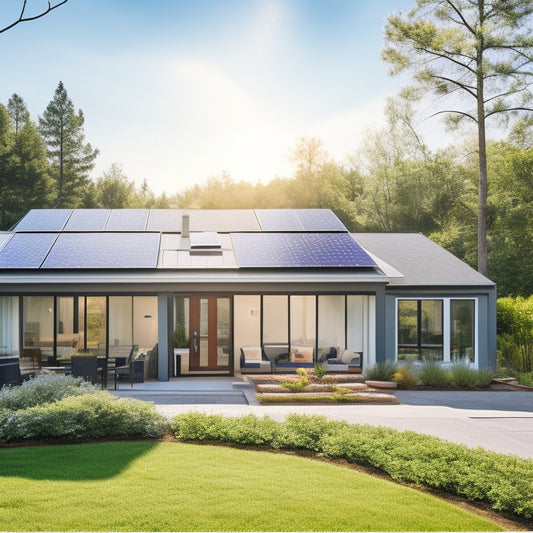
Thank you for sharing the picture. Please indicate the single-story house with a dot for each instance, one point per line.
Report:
(237, 290)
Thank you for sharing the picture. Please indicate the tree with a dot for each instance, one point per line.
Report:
(481, 50)
(113, 190)
(18, 112)
(23, 17)
(70, 157)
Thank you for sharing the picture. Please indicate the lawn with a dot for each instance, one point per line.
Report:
(168, 486)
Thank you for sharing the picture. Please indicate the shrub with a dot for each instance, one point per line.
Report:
(91, 416)
(42, 389)
(320, 370)
(298, 384)
(433, 374)
(381, 371)
(501, 480)
(406, 376)
(464, 377)
(526, 378)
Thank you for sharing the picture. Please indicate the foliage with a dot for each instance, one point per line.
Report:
(503, 481)
(464, 377)
(298, 384)
(180, 338)
(381, 371)
(526, 378)
(515, 333)
(480, 50)
(71, 159)
(320, 370)
(43, 389)
(433, 374)
(98, 415)
(406, 376)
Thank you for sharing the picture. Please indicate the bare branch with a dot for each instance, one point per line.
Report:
(468, 88)
(458, 12)
(495, 112)
(451, 111)
(22, 18)
(444, 56)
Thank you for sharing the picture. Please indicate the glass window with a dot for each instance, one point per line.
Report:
(9, 325)
(276, 319)
(69, 324)
(462, 323)
(420, 324)
(247, 316)
(120, 320)
(223, 333)
(303, 326)
(96, 324)
(331, 323)
(38, 336)
(145, 322)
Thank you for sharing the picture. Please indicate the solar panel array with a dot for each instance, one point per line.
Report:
(149, 239)
(306, 250)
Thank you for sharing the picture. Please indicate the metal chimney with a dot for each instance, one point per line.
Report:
(185, 225)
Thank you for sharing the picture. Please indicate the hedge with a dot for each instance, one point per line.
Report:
(503, 481)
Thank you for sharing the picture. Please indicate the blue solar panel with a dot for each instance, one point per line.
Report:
(127, 220)
(308, 250)
(278, 220)
(319, 220)
(168, 220)
(26, 250)
(87, 220)
(44, 220)
(4, 237)
(104, 250)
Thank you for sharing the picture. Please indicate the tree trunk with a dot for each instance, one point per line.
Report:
(482, 190)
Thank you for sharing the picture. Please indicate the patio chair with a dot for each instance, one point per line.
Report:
(85, 366)
(125, 369)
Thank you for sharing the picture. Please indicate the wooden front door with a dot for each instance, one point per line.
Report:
(209, 332)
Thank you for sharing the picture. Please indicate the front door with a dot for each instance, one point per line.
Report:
(209, 332)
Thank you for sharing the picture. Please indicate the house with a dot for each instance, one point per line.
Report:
(247, 289)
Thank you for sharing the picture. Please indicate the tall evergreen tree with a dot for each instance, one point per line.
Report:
(18, 112)
(70, 157)
(479, 49)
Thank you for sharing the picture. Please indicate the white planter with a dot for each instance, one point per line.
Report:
(184, 353)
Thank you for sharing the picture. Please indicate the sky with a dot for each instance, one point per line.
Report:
(178, 91)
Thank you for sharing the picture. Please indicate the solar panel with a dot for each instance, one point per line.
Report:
(87, 220)
(127, 220)
(26, 250)
(104, 250)
(165, 220)
(278, 220)
(307, 250)
(319, 220)
(205, 239)
(4, 237)
(44, 220)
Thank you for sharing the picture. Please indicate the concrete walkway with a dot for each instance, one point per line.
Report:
(499, 421)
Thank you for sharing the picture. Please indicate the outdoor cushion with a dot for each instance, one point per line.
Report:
(252, 354)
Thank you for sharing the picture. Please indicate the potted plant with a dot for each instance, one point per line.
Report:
(181, 351)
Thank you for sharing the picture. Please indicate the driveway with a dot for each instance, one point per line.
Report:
(501, 421)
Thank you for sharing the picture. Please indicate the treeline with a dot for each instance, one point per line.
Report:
(394, 182)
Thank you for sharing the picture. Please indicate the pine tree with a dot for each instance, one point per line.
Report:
(18, 112)
(71, 159)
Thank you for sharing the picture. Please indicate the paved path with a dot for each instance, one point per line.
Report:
(499, 421)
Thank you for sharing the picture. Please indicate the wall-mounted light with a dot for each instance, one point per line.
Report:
(253, 312)
(147, 316)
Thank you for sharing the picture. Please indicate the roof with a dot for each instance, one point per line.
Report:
(155, 239)
(418, 260)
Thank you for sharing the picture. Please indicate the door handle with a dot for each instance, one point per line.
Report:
(195, 342)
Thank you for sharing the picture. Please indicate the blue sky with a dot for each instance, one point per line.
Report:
(179, 91)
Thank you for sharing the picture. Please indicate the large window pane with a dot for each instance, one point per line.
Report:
(38, 336)
(223, 333)
(303, 326)
(9, 325)
(276, 319)
(145, 322)
(68, 326)
(331, 323)
(120, 320)
(246, 313)
(96, 324)
(408, 322)
(462, 322)
(431, 322)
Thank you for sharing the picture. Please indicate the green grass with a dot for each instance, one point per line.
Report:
(139, 486)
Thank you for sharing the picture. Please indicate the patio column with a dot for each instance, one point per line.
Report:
(164, 334)
(380, 325)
